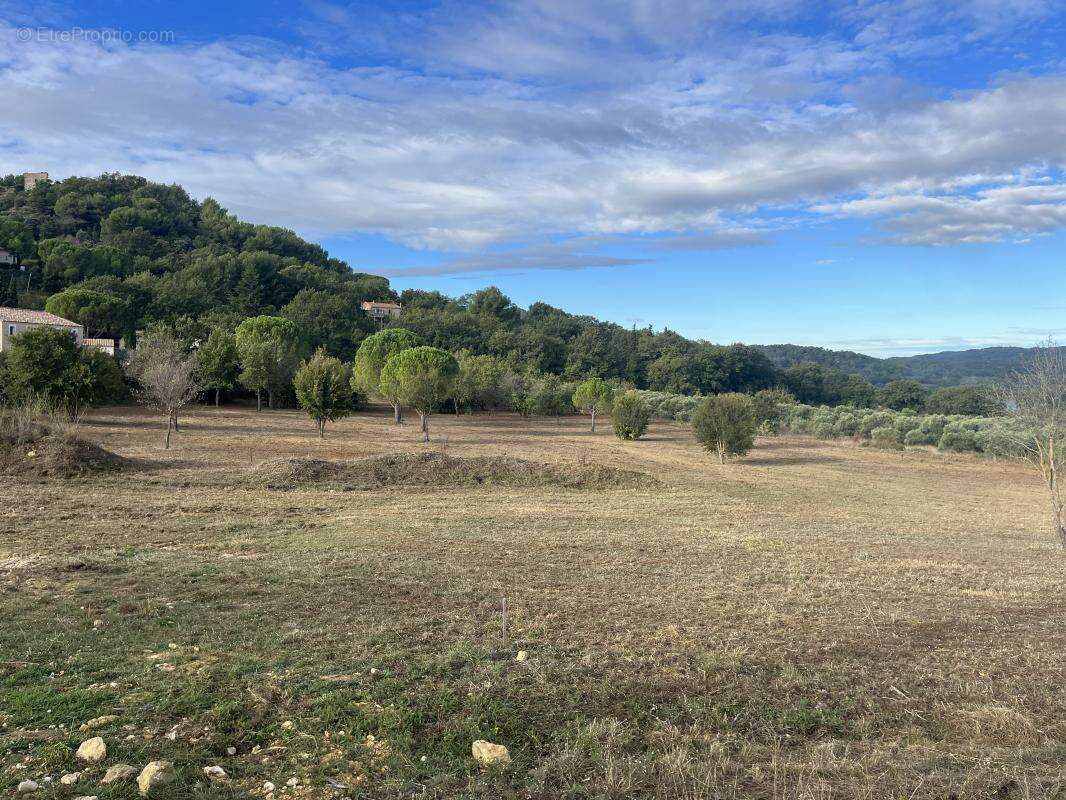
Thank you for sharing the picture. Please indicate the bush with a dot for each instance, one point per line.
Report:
(770, 407)
(630, 416)
(725, 424)
(959, 439)
(884, 437)
(968, 400)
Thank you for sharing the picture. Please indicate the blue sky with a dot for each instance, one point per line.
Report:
(879, 176)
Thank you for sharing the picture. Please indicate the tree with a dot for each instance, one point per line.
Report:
(370, 360)
(323, 389)
(478, 383)
(166, 374)
(725, 424)
(630, 416)
(901, 394)
(420, 377)
(46, 364)
(592, 397)
(266, 346)
(768, 406)
(973, 401)
(218, 363)
(100, 312)
(1036, 395)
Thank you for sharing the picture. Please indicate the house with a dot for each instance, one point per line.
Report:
(31, 179)
(14, 321)
(7, 258)
(380, 311)
(104, 345)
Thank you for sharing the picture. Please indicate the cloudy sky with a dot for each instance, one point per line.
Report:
(873, 175)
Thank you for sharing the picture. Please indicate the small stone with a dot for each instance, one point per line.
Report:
(291, 782)
(215, 773)
(268, 786)
(373, 670)
(488, 754)
(231, 751)
(97, 722)
(287, 725)
(154, 775)
(92, 751)
(87, 797)
(522, 656)
(98, 623)
(28, 786)
(70, 778)
(119, 772)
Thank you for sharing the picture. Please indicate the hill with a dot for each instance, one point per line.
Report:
(947, 368)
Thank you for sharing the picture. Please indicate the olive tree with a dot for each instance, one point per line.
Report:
(593, 396)
(166, 372)
(323, 389)
(420, 377)
(630, 416)
(267, 349)
(1036, 396)
(725, 424)
(370, 360)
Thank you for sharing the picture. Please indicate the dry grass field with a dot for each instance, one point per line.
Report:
(817, 620)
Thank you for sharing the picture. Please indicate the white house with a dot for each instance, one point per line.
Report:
(14, 321)
(380, 311)
(6, 258)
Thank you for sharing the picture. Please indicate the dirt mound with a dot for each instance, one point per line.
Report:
(57, 456)
(435, 469)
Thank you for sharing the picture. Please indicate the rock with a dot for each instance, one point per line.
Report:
(231, 751)
(98, 623)
(92, 751)
(215, 773)
(70, 778)
(268, 786)
(119, 772)
(292, 782)
(522, 656)
(154, 775)
(87, 797)
(98, 722)
(28, 786)
(287, 725)
(488, 754)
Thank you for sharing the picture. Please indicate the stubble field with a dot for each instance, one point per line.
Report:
(817, 620)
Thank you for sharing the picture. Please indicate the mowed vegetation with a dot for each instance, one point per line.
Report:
(814, 620)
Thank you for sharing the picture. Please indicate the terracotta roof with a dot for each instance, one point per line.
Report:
(374, 304)
(26, 315)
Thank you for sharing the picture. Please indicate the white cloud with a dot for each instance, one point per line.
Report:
(543, 120)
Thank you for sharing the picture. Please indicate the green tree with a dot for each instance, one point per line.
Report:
(100, 312)
(420, 377)
(46, 364)
(10, 295)
(630, 416)
(478, 383)
(973, 401)
(901, 394)
(370, 360)
(266, 346)
(218, 363)
(725, 424)
(323, 389)
(769, 407)
(593, 396)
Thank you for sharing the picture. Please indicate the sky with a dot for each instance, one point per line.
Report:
(886, 177)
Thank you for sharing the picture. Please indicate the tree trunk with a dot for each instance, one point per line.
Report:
(321, 428)
(425, 426)
(258, 399)
(218, 396)
(170, 420)
(270, 398)
(397, 413)
(174, 416)
(593, 420)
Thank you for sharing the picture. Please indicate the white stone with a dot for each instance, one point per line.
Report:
(97, 722)
(488, 754)
(28, 786)
(119, 772)
(268, 786)
(215, 773)
(287, 725)
(231, 751)
(70, 778)
(92, 751)
(522, 656)
(154, 775)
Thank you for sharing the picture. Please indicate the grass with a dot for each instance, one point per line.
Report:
(817, 620)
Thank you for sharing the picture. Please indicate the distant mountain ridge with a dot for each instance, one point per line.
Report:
(947, 368)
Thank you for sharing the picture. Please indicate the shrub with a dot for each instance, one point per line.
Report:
(968, 400)
(630, 416)
(959, 439)
(770, 407)
(323, 389)
(725, 424)
(875, 419)
(884, 437)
